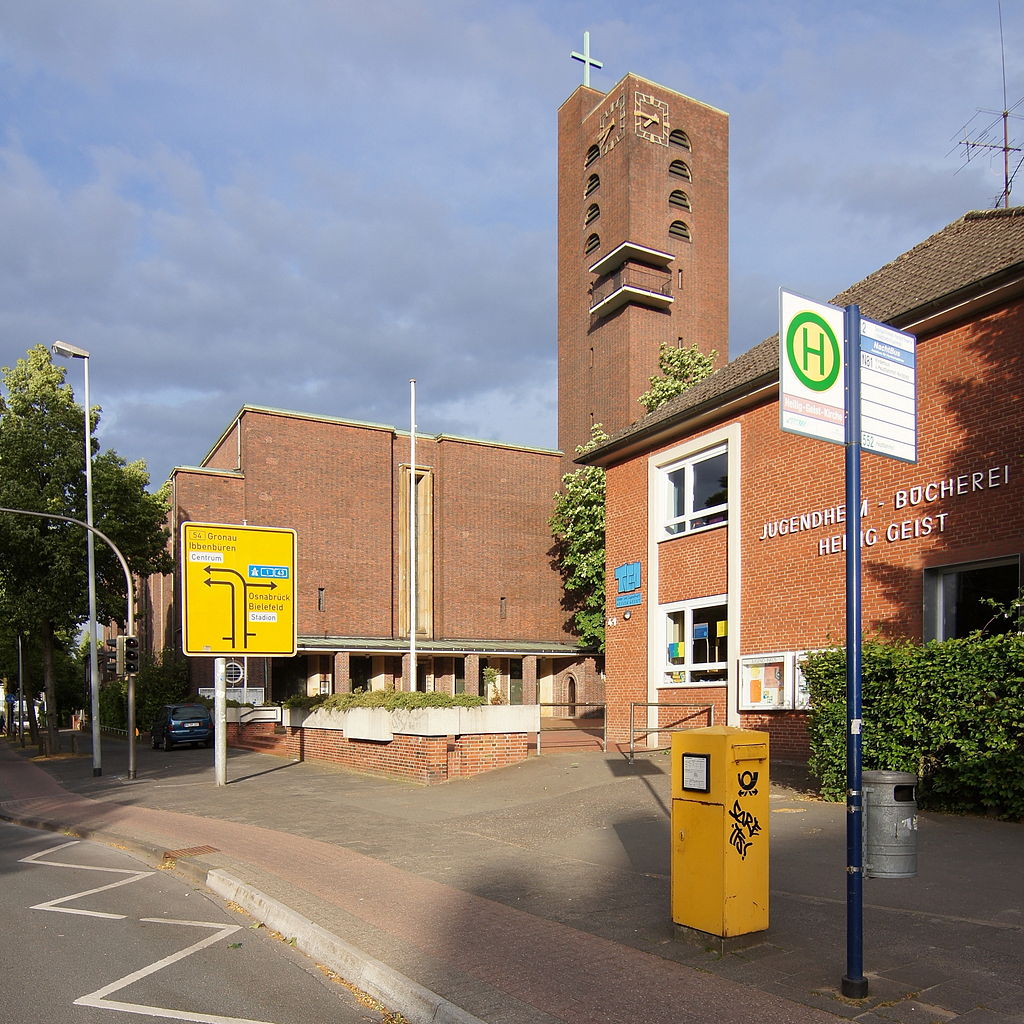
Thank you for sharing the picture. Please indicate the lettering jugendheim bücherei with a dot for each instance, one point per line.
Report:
(897, 530)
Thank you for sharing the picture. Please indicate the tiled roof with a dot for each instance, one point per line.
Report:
(979, 247)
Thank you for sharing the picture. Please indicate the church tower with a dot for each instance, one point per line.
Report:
(643, 204)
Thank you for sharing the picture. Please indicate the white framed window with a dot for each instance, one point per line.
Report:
(696, 492)
(696, 642)
(957, 597)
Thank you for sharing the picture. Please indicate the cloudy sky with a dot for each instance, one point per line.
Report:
(304, 203)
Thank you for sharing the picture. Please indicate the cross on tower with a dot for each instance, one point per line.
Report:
(588, 61)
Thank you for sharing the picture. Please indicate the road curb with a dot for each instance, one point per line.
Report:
(399, 993)
(396, 991)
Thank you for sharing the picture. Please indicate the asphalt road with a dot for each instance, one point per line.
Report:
(90, 933)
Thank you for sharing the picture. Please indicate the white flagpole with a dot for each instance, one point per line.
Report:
(412, 534)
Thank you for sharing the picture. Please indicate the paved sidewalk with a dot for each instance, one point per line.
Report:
(540, 893)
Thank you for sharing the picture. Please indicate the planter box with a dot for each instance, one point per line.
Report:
(426, 745)
(381, 724)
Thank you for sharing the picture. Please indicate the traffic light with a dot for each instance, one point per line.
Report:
(115, 658)
(131, 654)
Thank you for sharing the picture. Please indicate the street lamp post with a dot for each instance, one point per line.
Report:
(66, 351)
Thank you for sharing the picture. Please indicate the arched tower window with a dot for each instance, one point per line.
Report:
(593, 184)
(679, 198)
(680, 169)
(593, 212)
(593, 243)
(678, 229)
(679, 138)
(592, 154)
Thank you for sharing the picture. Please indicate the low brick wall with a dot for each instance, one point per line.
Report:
(424, 759)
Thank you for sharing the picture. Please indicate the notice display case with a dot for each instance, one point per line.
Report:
(766, 681)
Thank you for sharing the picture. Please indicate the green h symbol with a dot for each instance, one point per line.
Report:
(813, 351)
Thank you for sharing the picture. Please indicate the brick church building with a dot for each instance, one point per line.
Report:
(643, 257)
(724, 534)
(487, 592)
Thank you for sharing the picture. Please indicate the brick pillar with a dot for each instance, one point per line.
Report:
(444, 675)
(473, 674)
(342, 682)
(530, 680)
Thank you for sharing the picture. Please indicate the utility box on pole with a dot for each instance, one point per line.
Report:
(720, 831)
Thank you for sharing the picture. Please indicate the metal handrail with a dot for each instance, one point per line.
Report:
(697, 709)
(658, 283)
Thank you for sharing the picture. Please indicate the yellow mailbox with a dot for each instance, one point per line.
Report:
(720, 830)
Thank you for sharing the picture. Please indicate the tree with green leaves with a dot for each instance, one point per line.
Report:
(578, 527)
(43, 563)
(578, 520)
(681, 368)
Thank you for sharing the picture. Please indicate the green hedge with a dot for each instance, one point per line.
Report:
(952, 712)
(390, 699)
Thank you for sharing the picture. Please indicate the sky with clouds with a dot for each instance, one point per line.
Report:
(304, 203)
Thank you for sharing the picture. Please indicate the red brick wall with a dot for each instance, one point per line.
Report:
(625, 639)
(337, 484)
(330, 482)
(787, 731)
(425, 759)
(491, 540)
(969, 386)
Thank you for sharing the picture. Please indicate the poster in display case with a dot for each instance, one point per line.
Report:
(766, 681)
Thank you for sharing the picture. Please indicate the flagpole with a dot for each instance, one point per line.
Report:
(412, 534)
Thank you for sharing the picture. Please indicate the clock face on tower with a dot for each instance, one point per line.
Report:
(651, 117)
(613, 124)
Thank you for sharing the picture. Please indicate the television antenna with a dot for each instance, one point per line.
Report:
(989, 137)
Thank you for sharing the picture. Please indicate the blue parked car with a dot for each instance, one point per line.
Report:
(183, 723)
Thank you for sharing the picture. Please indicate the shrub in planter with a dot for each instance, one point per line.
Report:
(394, 700)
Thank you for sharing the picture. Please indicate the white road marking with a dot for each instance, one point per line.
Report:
(99, 1000)
(56, 905)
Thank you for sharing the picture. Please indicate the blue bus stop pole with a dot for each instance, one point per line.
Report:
(854, 985)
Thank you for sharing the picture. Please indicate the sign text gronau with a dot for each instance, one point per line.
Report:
(918, 496)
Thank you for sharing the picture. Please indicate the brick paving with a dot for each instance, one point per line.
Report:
(540, 893)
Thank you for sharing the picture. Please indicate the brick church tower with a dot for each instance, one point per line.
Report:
(643, 201)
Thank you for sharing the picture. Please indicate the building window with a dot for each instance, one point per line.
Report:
(697, 492)
(680, 169)
(679, 198)
(679, 138)
(593, 212)
(593, 184)
(957, 598)
(593, 243)
(679, 229)
(592, 154)
(321, 599)
(696, 642)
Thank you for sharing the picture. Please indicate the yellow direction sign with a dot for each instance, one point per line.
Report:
(238, 590)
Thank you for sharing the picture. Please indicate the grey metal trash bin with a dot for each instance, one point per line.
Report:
(890, 824)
